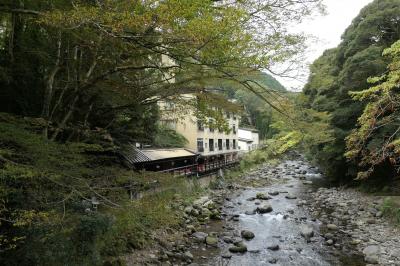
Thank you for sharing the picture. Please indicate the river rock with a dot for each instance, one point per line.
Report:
(201, 201)
(306, 231)
(290, 197)
(246, 234)
(265, 208)
(273, 261)
(274, 193)
(239, 248)
(200, 236)
(273, 247)
(250, 212)
(371, 254)
(226, 255)
(332, 227)
(187, 256)
(262, 196)
(329, 242)
(211, 241)
(227, 239)
(188, 209)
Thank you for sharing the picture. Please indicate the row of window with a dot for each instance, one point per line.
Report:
(200, 127)
(215, 145)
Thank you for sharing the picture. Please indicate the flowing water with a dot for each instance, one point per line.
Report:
(279, 227)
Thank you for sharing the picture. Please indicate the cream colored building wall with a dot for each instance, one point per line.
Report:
(207, 134)
(186, 125)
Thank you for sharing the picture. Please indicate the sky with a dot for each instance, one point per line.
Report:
(327, 30)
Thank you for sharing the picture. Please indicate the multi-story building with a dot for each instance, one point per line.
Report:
(216, 147)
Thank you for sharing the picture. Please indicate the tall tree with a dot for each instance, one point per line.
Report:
(347, 68)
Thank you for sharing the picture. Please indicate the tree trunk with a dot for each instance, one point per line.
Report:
(48, 94)
(66, 118)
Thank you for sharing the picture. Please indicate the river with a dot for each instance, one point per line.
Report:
(277, 238)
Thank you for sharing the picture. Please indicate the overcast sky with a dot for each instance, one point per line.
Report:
(327, 29)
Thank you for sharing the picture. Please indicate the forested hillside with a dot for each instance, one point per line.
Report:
(79, 79)
(367, 122)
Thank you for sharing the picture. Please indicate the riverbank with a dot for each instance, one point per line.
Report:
(353, 220)
(276, 214)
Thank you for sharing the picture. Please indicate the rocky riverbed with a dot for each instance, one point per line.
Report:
(279, 215)
(352, 220)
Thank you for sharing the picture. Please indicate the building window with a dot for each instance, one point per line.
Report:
(200, 145)
(234, 144)
(234, 129)
(200, 125)
(227, 144)
(228, 115)
(234, 117)
(211, 144)
(220, 144)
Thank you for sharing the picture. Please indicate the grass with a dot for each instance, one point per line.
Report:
(391, 209)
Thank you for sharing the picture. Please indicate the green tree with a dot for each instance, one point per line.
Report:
(347, 68)
(375, 144)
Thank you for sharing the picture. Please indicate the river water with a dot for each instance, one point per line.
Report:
(280, 227)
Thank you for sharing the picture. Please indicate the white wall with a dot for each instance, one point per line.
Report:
(244, 134)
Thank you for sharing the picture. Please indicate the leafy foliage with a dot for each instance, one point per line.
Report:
(377, 139)
(347, 68)
(46, 194)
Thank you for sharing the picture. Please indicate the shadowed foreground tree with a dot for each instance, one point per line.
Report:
(131, 52)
